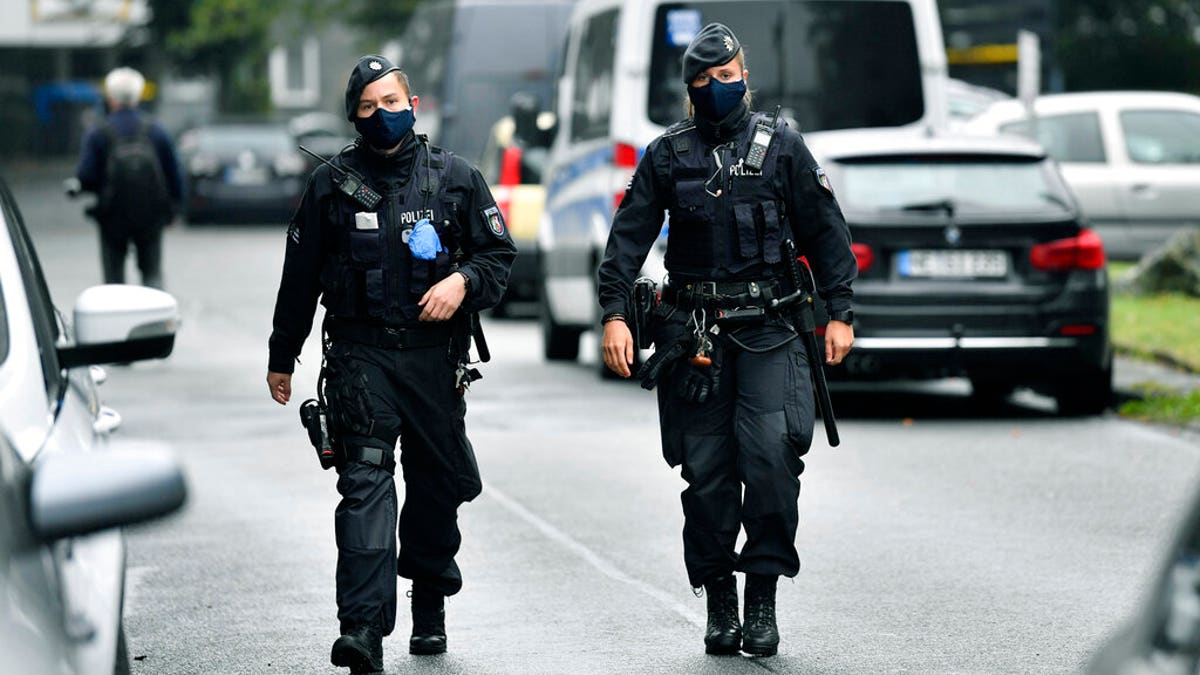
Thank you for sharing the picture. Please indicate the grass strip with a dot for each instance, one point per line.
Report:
(1170, 408)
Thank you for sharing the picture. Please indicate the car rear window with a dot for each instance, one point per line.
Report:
(968, 185)
(830, 64)
(1067, 138)
(233, 140)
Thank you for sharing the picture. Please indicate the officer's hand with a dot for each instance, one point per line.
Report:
(280, 385)
(618, 347)
(442, 301)
(839, 338)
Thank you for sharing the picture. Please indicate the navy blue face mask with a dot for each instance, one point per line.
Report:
(383, 129)
(717, 99)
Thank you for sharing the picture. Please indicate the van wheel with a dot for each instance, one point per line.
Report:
(1089, 393)
(559, 343)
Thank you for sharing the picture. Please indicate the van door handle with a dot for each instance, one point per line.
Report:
(1143, 190)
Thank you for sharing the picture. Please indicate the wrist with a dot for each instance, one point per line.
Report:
(844, 315)
(612, 316)
(466, 281)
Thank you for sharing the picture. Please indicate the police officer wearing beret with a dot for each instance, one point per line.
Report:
(735, 399)
(396, 278)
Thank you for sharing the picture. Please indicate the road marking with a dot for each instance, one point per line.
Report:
(594, 559)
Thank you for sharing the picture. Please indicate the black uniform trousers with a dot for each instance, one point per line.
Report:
(375, 396)
(741, 452)
(115, 238)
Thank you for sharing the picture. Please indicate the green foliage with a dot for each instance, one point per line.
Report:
(1158, 327)
(1164, 407)
(1129, 44)
(230, 39)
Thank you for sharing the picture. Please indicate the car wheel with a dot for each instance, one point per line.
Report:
(1086, 394)
(121, 665)
(559, 343)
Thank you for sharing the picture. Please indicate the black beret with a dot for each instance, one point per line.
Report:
(714, 45)
(368, 69)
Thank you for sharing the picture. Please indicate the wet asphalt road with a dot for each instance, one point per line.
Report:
(939, 538)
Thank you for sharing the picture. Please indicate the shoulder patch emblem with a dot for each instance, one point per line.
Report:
(822, 179)
(495, 222)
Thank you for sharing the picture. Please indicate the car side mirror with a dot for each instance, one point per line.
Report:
(121, 323)
(73, 495)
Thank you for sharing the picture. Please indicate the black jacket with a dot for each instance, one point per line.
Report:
(817, 224)
(312, 236)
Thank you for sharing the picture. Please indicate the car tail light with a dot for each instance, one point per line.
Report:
(1077, 329)
(864, 255)
(510, 166)
(1082, 252)
(625, 160)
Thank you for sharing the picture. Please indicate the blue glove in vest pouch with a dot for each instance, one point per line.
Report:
(425, 245)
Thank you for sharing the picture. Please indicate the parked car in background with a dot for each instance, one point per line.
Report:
(512, 163)
(241, 172)
(973, 261)
(1131, 157)
(51, 414)
(620, 88)
(322, 133)
(466, 58)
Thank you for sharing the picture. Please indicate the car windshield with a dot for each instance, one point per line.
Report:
(797, 54)
(264, 141)
(955, 186)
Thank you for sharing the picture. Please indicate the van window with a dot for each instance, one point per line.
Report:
(593, 78)
(1162, 136)
(1067, 138)
(830, 64)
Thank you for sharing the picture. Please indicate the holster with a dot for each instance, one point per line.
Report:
(645, 303)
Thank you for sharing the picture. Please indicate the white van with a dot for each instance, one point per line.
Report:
(830, 64)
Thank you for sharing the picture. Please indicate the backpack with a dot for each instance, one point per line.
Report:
(135, 187)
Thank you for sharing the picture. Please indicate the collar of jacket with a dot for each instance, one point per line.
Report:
(726, 129)
(396, 160)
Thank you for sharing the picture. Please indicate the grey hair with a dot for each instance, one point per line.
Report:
(124, 86)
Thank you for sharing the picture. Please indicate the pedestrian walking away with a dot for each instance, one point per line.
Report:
(735, 391)
(403, 244)
(129, 162)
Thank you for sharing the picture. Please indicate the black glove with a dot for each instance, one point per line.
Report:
(698, 382)
(662, 362)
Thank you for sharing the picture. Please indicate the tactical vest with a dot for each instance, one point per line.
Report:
(372, 274)
(727, 223)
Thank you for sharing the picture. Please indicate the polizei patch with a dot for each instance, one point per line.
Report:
(822, 179)
(495, 222)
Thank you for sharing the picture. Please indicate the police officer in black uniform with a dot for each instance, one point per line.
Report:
(734, 394)
(399, 279)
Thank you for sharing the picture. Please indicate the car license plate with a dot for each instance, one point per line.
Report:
(952, 264)
(256, 175)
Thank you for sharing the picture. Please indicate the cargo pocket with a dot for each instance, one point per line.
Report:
(690, 195)
(798, 404)
(346, 390)
(772, 233)
(466, 467)
(366, 248)
(747, 233)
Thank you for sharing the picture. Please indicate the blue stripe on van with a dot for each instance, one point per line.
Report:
(597, 158)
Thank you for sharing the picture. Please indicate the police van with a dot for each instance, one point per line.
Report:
(830, 64)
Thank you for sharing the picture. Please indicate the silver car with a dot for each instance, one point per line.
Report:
(59, 556)
(1132, 158)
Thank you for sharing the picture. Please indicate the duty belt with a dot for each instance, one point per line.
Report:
(389, 337)
(722, 294)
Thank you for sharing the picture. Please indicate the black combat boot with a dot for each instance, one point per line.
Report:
(429, 621)
(360, 648)
(724, 632)
(760, 635)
